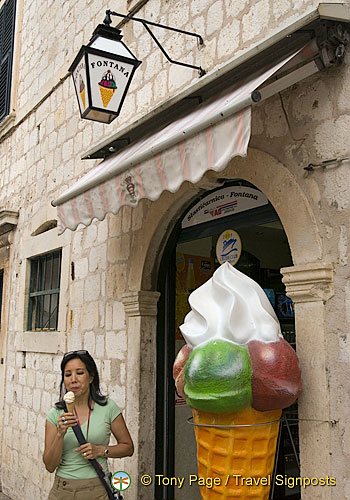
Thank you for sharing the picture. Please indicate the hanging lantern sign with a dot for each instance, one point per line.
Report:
(102, 73)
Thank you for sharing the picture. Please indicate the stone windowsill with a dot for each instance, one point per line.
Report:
(45, 342)
(7, 123)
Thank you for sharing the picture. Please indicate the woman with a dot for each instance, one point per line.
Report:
(98, 417)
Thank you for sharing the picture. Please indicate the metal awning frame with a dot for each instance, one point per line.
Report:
(314, 23)
(226, 105)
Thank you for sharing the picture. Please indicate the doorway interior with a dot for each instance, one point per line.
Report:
(189, 260)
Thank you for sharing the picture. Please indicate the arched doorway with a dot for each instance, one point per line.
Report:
(190, 259)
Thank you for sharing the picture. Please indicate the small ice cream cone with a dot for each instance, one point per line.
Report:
(69, 399)
(82, 95)
(225, 452)
(82, 90)
(70, 407)
(106, 95)
(107, 87)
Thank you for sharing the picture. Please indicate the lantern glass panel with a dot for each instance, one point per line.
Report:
(80, 84)
(112, 46)
(108, 80)
(99, 116)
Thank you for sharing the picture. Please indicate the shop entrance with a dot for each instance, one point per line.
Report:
(240, 213)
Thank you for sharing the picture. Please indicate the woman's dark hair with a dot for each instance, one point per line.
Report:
(95, 391)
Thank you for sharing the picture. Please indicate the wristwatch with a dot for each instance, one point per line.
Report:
(106, 452)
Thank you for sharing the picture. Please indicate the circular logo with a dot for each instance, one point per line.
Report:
(120, 480)
(228, 247)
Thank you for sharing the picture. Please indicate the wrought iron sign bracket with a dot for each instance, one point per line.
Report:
(108, 21)
(326, 163)
(332, 40)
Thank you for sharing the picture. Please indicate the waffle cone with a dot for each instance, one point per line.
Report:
(70, 407)
(225, 452)
(82, 95)
(106, 95)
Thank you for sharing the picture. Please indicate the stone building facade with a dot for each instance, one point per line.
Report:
(110, 269)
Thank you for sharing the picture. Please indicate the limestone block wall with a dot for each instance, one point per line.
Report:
(40, 151)
(308, 124)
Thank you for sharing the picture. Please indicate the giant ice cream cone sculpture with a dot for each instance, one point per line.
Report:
(236, 373)
(69, 399)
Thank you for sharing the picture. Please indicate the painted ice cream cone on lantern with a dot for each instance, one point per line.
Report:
(82, 91)
(107, 87)
(69, 399)
(236, 373)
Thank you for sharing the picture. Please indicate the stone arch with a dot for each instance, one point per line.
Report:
(266, 173)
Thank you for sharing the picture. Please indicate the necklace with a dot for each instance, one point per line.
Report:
(88, 425)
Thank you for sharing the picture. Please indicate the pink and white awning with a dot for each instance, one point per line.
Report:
(205, 139)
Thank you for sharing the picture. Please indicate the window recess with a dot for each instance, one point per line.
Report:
(44, 291)
(7, 30)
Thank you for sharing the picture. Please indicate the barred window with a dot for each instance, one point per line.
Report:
(44, 291)
(7, 30)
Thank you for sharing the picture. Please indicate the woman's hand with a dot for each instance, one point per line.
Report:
(64, 421)
(54, 437)
(90, 451)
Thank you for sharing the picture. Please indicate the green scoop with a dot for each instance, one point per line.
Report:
(218, 377)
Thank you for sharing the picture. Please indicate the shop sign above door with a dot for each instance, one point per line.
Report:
(227, 201)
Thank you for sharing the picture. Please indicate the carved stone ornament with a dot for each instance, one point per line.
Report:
(309, 282)
(8, 221)
(141, 303)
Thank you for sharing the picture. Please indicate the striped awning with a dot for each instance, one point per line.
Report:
(205, 139)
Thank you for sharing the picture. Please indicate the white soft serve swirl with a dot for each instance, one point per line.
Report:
(230, 306)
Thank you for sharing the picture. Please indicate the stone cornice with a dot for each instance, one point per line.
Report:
(309, 283)
(8, 219)
(141, 303)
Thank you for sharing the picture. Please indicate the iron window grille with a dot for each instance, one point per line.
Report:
(44, 291)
